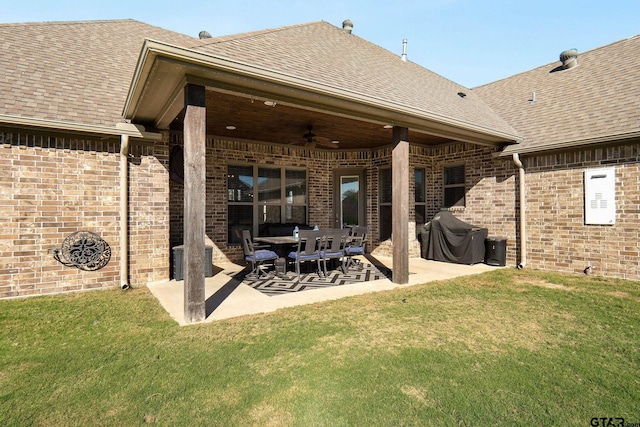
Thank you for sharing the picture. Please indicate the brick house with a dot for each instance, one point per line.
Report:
(96, 118)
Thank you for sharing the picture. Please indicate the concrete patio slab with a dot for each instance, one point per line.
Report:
(228, 297)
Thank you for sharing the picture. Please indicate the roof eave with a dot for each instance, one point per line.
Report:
(618, 138)
(165, 68)
(79, 128)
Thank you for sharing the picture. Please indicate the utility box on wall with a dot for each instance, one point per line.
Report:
(600, 196)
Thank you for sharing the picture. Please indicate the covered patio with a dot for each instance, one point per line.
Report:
(375, 115)
(228, 297)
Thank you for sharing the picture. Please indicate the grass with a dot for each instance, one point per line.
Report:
(503, 348)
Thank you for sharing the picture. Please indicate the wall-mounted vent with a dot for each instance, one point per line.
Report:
(600, 196)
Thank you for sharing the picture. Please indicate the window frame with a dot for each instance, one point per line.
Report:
(456, 185)
(423, 203)
(285, 203)
(388, 204)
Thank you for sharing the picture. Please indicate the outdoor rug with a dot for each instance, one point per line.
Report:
(365, 272)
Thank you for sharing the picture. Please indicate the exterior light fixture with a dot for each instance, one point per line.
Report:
(231, 127)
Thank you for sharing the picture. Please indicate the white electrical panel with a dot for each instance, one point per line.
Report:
(600, 196)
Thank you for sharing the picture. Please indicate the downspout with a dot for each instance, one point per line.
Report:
(523, 206)
(124, 212)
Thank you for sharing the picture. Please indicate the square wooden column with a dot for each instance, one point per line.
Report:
(194, 203)
(400, 205)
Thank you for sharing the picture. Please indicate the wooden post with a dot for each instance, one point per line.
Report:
(194, 203)
(400, 205)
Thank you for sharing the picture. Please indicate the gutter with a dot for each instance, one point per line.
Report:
(523, 208)
(124, 212)
(615, 138)
(126, 129)
(62, 126)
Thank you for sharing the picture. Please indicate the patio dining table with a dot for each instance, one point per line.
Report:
(281, 245)
(277, 240)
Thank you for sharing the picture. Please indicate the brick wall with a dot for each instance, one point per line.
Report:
(54, 185)
(491, 188)
(148, 212)
(558, 239)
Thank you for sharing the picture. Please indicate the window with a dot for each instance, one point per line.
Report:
(384, 211)
(453, 186)
(384, 193)
(281, 197)
(420, 191)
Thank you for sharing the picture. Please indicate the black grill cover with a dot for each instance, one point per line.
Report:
(446, 238)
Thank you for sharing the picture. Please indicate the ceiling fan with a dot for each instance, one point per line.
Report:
(310, 140)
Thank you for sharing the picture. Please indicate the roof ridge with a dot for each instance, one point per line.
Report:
(88, 21)
(251, 34)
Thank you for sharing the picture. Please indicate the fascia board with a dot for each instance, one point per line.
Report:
(62, 126)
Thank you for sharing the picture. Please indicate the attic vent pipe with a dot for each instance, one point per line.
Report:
(404, 50)
(204, 35)
(347, 26)
(569, 58)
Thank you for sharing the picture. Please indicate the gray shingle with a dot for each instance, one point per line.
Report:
(323, 53)
(81, 71)
(598, 98)
(72, 71)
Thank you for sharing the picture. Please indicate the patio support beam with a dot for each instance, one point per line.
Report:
(194, 203)
(400, 205)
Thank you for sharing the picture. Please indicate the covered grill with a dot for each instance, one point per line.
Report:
(447, 238)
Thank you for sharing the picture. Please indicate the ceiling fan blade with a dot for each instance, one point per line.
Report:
(327, 143)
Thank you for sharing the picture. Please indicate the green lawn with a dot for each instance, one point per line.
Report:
(503, 348)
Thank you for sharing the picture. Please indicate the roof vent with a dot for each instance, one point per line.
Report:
(569, 58)
(404, 50)
(347, 26)
(204, 35)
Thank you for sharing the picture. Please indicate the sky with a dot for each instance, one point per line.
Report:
(471, 42)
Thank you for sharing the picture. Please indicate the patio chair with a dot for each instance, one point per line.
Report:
(257, 257)
(332, 247)
(307, 249)
(355, 245)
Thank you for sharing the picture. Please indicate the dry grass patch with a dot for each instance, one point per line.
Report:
(534, 281)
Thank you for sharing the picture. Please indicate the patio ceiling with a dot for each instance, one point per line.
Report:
(286, 124)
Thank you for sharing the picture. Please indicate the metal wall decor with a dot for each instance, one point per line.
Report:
(84, 250)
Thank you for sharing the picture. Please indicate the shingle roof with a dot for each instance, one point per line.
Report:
(72, 71)
(598, 99)
(323, 53)
(81, 71)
